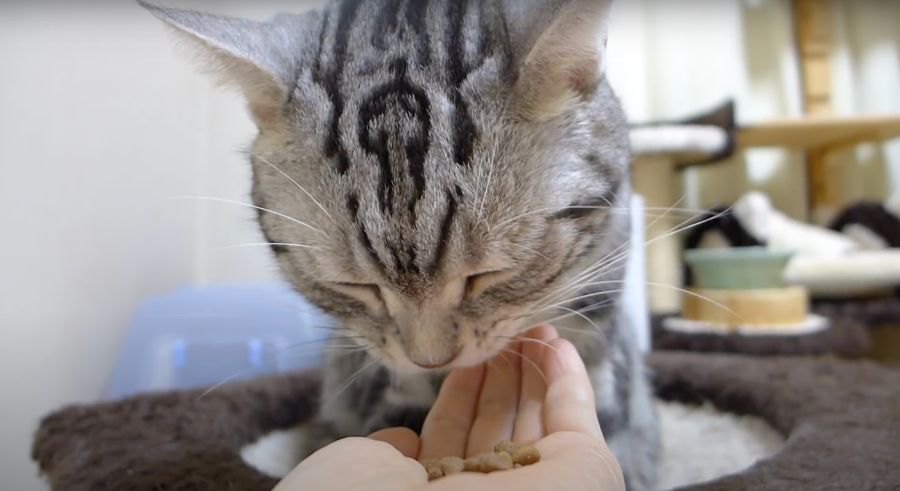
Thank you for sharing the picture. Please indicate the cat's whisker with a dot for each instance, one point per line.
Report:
(624, 248)
(573, 285)
(530, 340)
(604, 265)
(324, 348)
(350, 380)
(528, 249)
(301, 188)
(575, 299)
(516, 218)
(646, 213)
(225, 382)
(525, 358)
(648, 283)
(333, 328)
(680, 290)
(580, 278)
(579, 331)
(589, 274)
(254, 207)
(502, 355)
(584, 310)
(538, 309)
(329, 342)
(342, 347)
(611, 209)
(674, 209)
(321, 341)
(680, 228)
(276, 244)
(575, 312)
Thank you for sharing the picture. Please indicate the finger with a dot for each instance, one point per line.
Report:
(529, 418)
(569, 404)
(496, 414)
(403, 439)
(446, 429)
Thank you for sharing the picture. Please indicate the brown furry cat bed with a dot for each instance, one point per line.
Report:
(841, 418)
(844, 337)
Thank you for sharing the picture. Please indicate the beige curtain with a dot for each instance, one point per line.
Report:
(867, 81)
(671, 59)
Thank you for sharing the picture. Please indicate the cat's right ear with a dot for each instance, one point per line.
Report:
(255, 56)
(564, 58)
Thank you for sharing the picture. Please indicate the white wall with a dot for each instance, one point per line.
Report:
(101, 122)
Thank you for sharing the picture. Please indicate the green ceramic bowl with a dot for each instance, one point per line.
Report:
(738, 268)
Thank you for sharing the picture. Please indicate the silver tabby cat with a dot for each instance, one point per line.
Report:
(440, 175)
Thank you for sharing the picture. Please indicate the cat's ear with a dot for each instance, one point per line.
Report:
(565, 64)
(255, 56)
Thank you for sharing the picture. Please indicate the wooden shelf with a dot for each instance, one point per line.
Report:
(823, 133)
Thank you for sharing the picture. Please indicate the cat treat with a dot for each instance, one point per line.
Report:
(506, 456)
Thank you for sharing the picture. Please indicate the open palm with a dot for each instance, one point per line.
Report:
(541, 397)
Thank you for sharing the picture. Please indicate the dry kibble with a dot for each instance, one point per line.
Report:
(526, 455)
(506, 455)
(434, 469)
(507, 446)
(489, 462)
(452, 465)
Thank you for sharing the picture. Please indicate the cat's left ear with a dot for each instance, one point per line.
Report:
(258, 57)
(566, 63)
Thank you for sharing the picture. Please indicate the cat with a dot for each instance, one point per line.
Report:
(870, 223)
(438, 176)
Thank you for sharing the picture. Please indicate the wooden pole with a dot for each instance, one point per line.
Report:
(812, 25)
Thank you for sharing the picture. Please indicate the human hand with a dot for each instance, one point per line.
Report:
(542, 397)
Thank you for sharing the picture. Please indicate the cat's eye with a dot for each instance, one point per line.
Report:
(477, 284)
(369, 294)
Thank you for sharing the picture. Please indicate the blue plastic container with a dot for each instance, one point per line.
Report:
(200, 337)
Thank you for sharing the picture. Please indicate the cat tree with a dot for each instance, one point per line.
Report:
(819, 134)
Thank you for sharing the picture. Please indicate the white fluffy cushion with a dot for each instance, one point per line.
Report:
(854, 274)
(780, 232)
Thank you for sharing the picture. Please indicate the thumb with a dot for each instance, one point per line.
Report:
(569, 403)
(403, 439)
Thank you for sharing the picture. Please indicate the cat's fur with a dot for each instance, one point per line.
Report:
(449, 167)
(879, 222)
